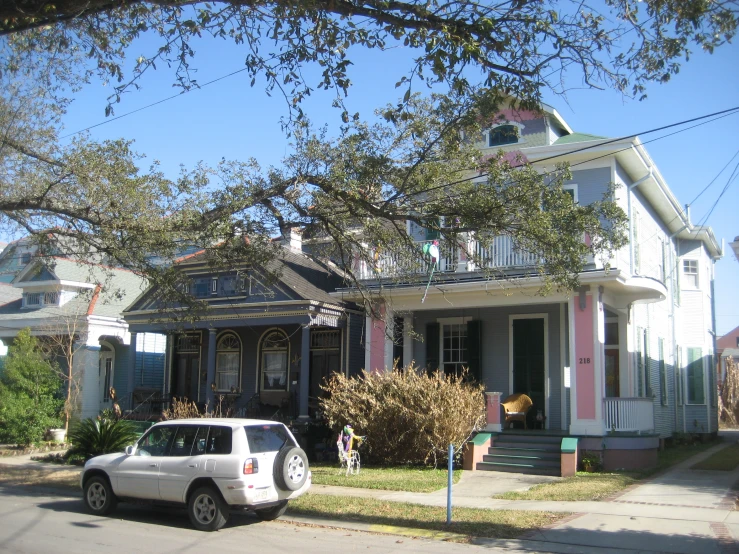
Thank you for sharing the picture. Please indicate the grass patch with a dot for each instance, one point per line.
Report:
(410, 479)
(583, 486)
(596, 486)
(24, 476)
(723, 460)
(500, 524)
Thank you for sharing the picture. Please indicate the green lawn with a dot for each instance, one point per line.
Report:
(723, 460)
(411, 479)
(596, 486)
(417, 520)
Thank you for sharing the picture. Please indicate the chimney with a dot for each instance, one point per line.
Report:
(294, 239)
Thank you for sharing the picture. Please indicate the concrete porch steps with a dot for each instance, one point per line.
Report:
(538, 455)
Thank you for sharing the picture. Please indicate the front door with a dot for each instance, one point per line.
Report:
(185, 377)
(529, 364)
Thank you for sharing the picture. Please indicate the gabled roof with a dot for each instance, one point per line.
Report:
(300, 277)
(107, 292)
(8, 294)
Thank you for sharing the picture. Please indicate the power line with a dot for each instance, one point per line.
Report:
(156, 103)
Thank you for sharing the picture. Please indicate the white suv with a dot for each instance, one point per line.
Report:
(209, 465)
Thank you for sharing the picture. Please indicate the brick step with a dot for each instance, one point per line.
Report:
(527, 452)
(526, 460)
(530, 469)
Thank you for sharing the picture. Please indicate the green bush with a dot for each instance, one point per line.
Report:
(30, 393)
(409, 417)
(95, 436)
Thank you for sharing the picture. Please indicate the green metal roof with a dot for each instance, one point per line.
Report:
(577, 137)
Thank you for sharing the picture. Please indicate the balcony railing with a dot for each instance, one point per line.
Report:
(635, 415)
(501, 254)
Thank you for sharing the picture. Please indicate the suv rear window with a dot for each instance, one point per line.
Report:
(267, 438)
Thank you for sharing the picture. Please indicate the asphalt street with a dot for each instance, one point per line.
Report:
(40, 524)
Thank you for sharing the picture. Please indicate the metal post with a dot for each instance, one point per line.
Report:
(449, 485)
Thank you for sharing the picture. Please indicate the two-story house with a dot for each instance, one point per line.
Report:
(624, 361)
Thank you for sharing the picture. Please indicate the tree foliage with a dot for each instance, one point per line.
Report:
(351, 195)
(519, 47)
(354, 191)
(30, 399)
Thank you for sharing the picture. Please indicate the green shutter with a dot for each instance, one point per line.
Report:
(695, 376)
(474, 350)
(433, 234)
(432, 346)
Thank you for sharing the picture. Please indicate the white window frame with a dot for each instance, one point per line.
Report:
(687, 276)
(448, 322)
(573, 188)
(262, 351)
(220, 352)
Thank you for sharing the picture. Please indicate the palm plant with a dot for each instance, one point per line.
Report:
(92, 437)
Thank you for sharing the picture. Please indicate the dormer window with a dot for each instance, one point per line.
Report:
(31, 299)
(37, 299)
(502, 135)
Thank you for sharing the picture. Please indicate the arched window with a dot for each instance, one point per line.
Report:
(503, 134)
(274, 355)
(228, 362)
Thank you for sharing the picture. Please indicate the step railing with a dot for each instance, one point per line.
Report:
(635, 415)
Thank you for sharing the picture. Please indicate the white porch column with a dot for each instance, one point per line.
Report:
(586, 345)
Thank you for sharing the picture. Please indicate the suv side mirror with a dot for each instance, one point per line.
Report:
(130, 450)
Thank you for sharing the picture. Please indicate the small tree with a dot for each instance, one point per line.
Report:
(64, 338)
(410, 417)
(30, 399)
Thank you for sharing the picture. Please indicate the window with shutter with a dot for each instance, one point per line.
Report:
(696, 392)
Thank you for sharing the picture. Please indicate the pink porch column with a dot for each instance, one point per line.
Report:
(586, 324)
(493, 412)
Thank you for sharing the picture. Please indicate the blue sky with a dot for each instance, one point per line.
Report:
(231, 120)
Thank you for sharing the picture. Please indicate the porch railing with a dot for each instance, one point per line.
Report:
(501, 254)
(635, 415)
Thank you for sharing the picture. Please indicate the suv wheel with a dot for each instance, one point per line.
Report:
(207, 511)
(291, 468)
(268, 514)
(99, 497)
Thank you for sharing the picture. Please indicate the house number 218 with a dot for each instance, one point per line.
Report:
(584, 360)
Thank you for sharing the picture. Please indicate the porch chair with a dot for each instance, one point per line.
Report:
(516, 407)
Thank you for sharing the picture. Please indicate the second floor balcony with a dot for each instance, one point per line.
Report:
(463, 256)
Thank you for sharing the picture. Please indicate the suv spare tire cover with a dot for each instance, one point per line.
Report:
(285, 477)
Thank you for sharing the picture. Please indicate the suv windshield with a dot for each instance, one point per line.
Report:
(267, 438)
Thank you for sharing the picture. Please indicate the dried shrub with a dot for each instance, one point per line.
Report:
(187, 409)
(410, 417)
(728, 399)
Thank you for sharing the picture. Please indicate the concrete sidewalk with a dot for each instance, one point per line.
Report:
(682, 511)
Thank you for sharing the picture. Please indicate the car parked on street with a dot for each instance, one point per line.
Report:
(211, 466)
